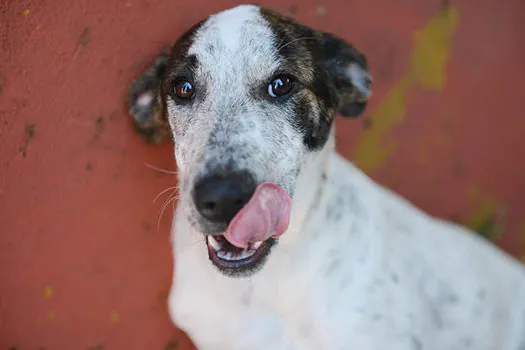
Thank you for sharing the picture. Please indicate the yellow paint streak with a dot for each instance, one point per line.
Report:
(38, 27)
(422, 156)
(521, 235)
(483, 213)
(48, 292)
(114, 316)
(51, 316)
(371, 152)
(25, 13)
(432, 49)
(427, 69)
(129, 4)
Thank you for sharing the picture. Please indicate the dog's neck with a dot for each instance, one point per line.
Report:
(309, 188)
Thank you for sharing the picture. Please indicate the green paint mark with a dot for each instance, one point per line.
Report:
(30, 134)
(31, 130)
(427, 69)
(172, 345)
(486, 218)
(97, 347)
(85, 36)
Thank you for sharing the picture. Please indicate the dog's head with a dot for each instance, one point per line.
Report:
(250, 95)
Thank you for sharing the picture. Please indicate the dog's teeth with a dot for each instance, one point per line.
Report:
(226, 255)
(257, 244)
(213, 242)
(245, 254)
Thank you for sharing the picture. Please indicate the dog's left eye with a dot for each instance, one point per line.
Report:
(280, 86)
(184, 89)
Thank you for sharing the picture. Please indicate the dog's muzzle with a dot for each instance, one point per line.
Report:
(253, 216)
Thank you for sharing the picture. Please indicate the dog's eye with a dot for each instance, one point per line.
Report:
(184, 89)
(280, 86)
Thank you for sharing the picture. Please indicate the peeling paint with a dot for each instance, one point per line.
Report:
(427, 69)
(321, 10)
(85, 36)
(29, 135)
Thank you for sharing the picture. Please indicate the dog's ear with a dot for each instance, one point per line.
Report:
(348, 70)
(145, 104)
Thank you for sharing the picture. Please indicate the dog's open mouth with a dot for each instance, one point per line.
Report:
(227, 256)
(252, 231)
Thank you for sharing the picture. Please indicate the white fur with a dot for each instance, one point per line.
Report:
(359, 267)
(453, 290)
(261, 137)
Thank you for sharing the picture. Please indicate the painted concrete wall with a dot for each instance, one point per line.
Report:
(84, 256)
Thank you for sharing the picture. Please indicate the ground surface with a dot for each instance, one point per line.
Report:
(82, 262)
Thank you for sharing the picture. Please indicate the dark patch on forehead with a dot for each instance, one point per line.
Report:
(182, 45)
(298, 48)
(179, 62)
(291, 40)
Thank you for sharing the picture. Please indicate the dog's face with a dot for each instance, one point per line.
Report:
(249, 95)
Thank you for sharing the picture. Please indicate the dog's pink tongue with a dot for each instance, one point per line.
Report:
(266, 215)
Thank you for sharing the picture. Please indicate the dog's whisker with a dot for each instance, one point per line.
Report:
(174, 188)
(173, 172)
(172, 198)
(192, 244)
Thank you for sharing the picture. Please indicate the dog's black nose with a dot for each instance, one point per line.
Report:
(219, 197)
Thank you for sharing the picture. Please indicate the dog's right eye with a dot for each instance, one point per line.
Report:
(184, 89)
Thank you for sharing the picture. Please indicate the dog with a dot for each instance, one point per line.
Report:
(280, 243)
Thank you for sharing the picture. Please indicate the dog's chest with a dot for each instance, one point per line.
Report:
(257, 313)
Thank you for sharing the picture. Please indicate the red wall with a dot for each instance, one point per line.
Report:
(84, 258)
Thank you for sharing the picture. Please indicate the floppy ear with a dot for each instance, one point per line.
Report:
(348, 70)
(145, 103)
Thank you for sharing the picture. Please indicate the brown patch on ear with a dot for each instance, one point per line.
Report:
(348, 69)
(335, 71)
(146, 96)
(145, 103)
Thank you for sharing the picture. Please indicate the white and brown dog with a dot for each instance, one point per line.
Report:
(279, 242)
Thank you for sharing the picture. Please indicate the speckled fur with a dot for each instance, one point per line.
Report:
(359, 268)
